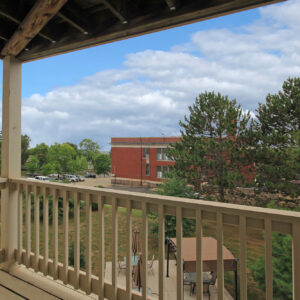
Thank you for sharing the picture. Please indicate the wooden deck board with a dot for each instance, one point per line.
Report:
(6, 294)
(170, 284)
(20, 287)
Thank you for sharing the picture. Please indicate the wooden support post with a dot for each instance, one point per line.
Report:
(11, 155)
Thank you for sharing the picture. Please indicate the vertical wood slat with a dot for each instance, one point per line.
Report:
(114, 272)
(88, 243)
(268, 259)
(20, 223)
(144, 251)
(101, 247)
(129, 250)
(161, 251)
(36, 228)
(55, 234)
(28, 226)
(296, 260)
(220, 262)
(66, 236)
(199, 264)
(46, 230)
(243, 258)
(76, 239)
(179, 253)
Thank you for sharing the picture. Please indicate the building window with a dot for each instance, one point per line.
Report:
(161, 154)
(147, 170)
(161, 171)
(145, 152)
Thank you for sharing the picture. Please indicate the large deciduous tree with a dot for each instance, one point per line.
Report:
(278, 144)
(102, 163)
(89, 149)
(214, 144)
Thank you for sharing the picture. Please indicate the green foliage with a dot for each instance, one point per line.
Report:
(41, 152)
(278, 140)
(25, 142)
(89, 149)
(32, 164)
(49, 168)
(62, 157)
(81, 256)
(80, 164)
(102, 163)
(214, 144)
(174, 186)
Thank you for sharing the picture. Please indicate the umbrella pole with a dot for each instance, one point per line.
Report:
(168, 256)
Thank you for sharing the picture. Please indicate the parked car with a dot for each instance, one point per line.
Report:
(80, 178)
(89, 175)
(72, 178)
(42, 178)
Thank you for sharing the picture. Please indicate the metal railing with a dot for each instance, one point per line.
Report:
(269, 220)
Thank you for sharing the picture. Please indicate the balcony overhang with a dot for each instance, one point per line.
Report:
(43, 28)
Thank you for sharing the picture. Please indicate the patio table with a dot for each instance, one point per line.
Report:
(134, 260)
(191, 277)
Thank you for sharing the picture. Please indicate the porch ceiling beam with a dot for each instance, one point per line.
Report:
(172, 4)
(72, 23)
(16, 21)
(115, 11)
(36, 19)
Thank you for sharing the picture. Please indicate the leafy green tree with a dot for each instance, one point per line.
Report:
(89, 149)
(177, 187)
(41, 152)
(80, 164)
(32, 164)
(25, 142)
(102, 163)
(278, 140)
(62, 157)
(49, 168)
(214, 144)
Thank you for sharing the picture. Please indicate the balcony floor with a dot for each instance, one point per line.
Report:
(170, 284)
(13, 288)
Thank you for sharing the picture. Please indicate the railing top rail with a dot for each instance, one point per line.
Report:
(234, 209)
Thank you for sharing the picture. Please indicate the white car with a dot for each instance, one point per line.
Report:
(42, 178)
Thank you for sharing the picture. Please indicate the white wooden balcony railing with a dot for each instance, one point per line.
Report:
(269, 220)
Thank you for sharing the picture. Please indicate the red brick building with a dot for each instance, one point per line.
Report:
(140, 161)
(143, 161)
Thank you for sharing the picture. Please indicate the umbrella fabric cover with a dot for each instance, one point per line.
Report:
(136, 245)
(137, 275)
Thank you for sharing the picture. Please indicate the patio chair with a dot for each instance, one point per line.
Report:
(186, 281)
(122, 266)
(213, 278)
(150, 265)
(206, 289)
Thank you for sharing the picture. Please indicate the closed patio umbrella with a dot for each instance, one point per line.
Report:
(137, 275)
(136, 245)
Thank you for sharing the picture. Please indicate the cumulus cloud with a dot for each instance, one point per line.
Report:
(152, 90)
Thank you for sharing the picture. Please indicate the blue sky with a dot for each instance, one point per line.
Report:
(143, 86)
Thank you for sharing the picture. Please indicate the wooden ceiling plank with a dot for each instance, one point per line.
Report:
(72, 23)
(16, 21)
(108, 4)
(36, 19)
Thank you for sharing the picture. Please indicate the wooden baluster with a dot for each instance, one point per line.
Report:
(220, 262)
(36, 227)
(199, 264)
(20, 223)
(179, 253)
(144, 251)
(296, 260)
(55, 234)
(129, 250)
(161, 251)
(76, 239)
(66, 236)
(114, 272)
(46, 229)
(243, 258)
(88, 243)
(28, 226)
(268, 259)
(101, 246)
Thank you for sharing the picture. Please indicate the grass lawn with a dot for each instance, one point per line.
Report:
(255, 246)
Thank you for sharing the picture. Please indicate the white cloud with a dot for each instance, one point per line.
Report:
(151, 92)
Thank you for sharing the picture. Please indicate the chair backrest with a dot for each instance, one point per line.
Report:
(205, 287)
(213, 278)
